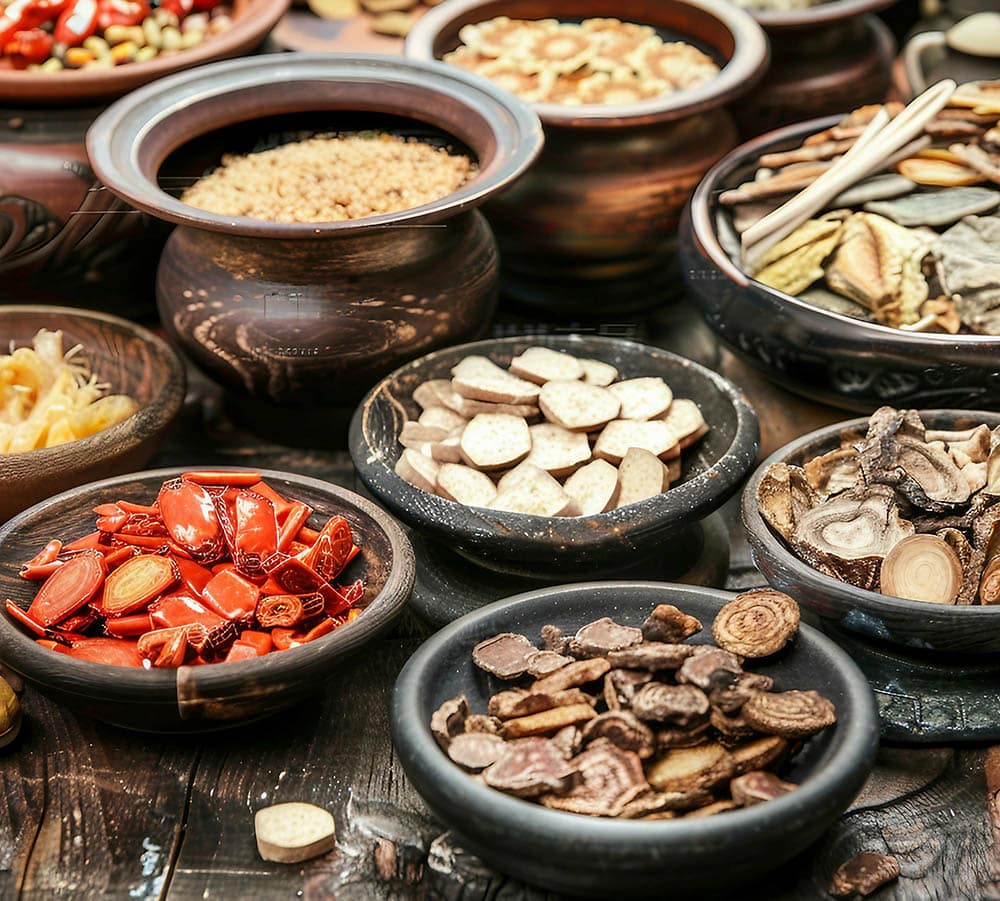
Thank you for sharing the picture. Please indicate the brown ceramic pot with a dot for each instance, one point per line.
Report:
(313, 314)
(591, 228)
(62, 236)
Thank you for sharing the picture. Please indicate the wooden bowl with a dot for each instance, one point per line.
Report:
(608, 858)
(132, 361)
(532, 545)
(915, 625)
(214, 696)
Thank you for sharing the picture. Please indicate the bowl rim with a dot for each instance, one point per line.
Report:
(250, 27)
(832, 11)
(385, 606)
(749, 62)
(717, 480)
(858, 742)
(819, 321)
(114, 137)
(161, 410)
(760, 533)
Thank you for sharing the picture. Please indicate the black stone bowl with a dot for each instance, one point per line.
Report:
(915, 625)
(215, 696)
(575, 854)
(826, 356)
(533, 545)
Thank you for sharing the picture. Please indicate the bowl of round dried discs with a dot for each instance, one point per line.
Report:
(610, 738)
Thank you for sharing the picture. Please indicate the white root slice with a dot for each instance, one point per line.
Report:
(597, 372)
(645, 398)
(641, 475)
(478, 378)
(442, 418)
(578, 406)
(414, 434)
(618, 436)
(466, 485)
(495, 441)
(531, 490)
(432, 393)
(922, 568)
(557, 450)
(417, 469)
(594, 487)
(293, 832)
(685, 421)
(542, 364)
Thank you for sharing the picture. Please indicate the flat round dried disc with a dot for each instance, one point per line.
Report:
(475, 750)
(757, 623)
(922, 568)
(506, 656)
(789, 714)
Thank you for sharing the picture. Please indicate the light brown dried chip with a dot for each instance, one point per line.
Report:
(622, 729)
(601, 637)
(620, 686)
(710, 810)
(864, 874)
(480, 722)
(789, 714)
(449, 720)
(568, 740)
(553, 639)
(679, 705)
(507, 705)
(654, 802)
(652, 656)
(529, 767)
(544, 663)
(475, 750)
(922, 568)
(547, 721)
(759, 754)
(572, 675)
(730, 728)
(731, 699)
(685, 769)
(609, 778)
(682, 736)
(757, 786)
(756, 623)
(669, 625)
(506, 656)
(711, 669)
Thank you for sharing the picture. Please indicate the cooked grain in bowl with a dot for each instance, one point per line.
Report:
(331, 178)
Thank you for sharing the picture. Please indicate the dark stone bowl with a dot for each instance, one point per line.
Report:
(826, 356)
(611, 858)
(529, 545)
(914, 625)
(216, 696)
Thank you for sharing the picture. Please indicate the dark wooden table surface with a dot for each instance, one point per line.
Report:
(92, 811)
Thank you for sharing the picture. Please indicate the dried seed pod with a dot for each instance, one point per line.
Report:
(756, 623)
(757, 786)
(669, 625)
(711, 669)
(601, 637)
(530, 767)
(506, 656)
(449, 720)
(679, 705)
(622, 729)
(620, 686)
(475, 751)
(652, 656)
(759, 754)
(573, 675)
(480, 722)
(922, 568)
(863, 875)
(544, 663)
(784, 496)
(554, 640)
(789, 714)
(682, 736)
(609, 778)
(546, 721)
(700, 768)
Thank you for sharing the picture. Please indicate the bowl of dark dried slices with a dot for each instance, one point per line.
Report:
(599, 739)
(885, 526)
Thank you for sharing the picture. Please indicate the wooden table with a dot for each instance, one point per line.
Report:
(93, 811)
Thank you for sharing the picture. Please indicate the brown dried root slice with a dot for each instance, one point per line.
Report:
(609, 778)
(617, 437)
(556, 450)
(568, 740)
(679, 705)
(621, 685)
(470, 408)
(685, 421)
(759, 754)
(542, 364)
(784, 496)
(594, 487)
(495, 441)
(789, 714)
(480, 722)
(700, 768)
(669, 624)
(640, 476)
(922, 568)
(756, 623)
(730, 728)
(983, 528)
(652, 656)
(711, 669)
(573, 675)
(529, 767)
(863, 875)
(544, 663)
(710, 810)
(465, 485)
(449, 720)
(478, 378)
(641, 399)
(417, 469)
(731, 698)
(989, 585)
(849, 535)
(596, 372)
(506, 705)
(622, 729)
(578, 406)
(654, 802)
(553, 639)
(474, 751)
(547, 721)
(601, 637)
(671, 737)
(528, 489)
(506, 656)
(293, 832)
(796, 262)
(833, 472)
(972, 446)
(758, 786)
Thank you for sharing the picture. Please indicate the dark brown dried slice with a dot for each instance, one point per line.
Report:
(863, 875)
(834, 472)
(784, 496)
(568, 740)
(983, 529)
(759, 754)
(480, 722)
(756, 623)
(476, 750)
(620, 686)
(530, 767)
(553, 639)
(573, 675)
(622, 729)
(652, 656)
(789, 714)
(507, 705)
(449, 720)
(711, 669)
(758, 786)
(699, 768)
(609, 778)
(601, 637)
(922, 568)
(544, 663)
(654, 802)
(730, 700)
(682, 736)
(677, 705)
(547, 721)
(506, 656)
(710, 810)
(730, 728)
(668, 624)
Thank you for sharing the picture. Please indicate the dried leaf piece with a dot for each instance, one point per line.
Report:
(700, 768)
(475, 751)
(622, 729)
(756, 623)
(652, 656)
(529, 767)
(711, 669)
(680, 705)
(601, 637)
(789, 714)
(922, 568)
(834, 472)
(668, 624)
(550, 720)
(293, 832)
(573, 675)
(506, 656)
(449, 719)
(609, 778)
(621, 685)
(784, 496)
(864, 874)
(759, 754)
(757, 786)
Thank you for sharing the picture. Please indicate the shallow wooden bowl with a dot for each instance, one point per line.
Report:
(540, 545)
(133, 361)
(915, 625)
(609, 858)
(215, 696)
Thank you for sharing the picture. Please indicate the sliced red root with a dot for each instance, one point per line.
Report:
(239, 478)
(131, 626)
(137, 582)
(240, 651)
(922, 568)
(118, 556)
(39, 572)
(113, 651)
(15, 612)
(194, 576)
(259, 640)
(231, 596)
(294, 576)
(256, 533)
(47, 554)
(332, 549)
(180, 609)
(93, 541)
(288, 610)
(129, 507)
(281, 504)
(78, 623)
(165, 648)
(191, 517)
(307, 536)
(70, 587)
(296, 517)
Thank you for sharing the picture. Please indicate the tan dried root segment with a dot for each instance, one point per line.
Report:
(294, 832)
(789, 714)
(922, 568)
(863, 875)
(10, 713)
(757, 623)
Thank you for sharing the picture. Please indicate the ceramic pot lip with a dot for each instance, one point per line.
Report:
(747, 66)
(870, 602)
(819, 322)
(247, 31)
(115, 140)
(829, 13)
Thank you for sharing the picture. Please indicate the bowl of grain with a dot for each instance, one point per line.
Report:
(326, 212)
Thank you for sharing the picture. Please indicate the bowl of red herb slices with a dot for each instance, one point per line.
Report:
(190, 600)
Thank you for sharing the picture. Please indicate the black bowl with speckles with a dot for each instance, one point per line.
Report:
(540, 546)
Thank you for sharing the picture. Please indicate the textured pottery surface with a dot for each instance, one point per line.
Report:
(521, 544)
(215, 696)
(612, 858)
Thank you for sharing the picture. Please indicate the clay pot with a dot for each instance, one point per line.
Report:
(312, 314)
(591, 228)
(62, 237)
